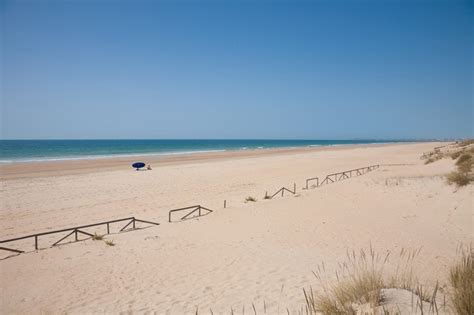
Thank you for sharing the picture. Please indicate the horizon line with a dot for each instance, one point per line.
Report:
(236, 139)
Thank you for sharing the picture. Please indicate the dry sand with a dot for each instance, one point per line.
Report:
(260, 253)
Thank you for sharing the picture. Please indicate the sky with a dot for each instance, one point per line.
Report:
(236, 69)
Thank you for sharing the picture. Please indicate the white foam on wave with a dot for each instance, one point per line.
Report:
(96, 157)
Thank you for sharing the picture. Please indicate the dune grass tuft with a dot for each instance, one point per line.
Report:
(359, 281)
(458, 178)
(97, 237)
(463, 175)
(465, 143)
(464, 163)
(456, 154)
(461, 278)
(463, 158)
(110, 243)
(251, 199)
(433, 156)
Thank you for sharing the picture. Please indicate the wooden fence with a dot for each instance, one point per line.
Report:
(73, 231)
(196, 210)
(335, 177)
(282, 191)
(193, 211)
(312, 179)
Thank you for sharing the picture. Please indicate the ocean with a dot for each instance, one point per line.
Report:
(17, 151)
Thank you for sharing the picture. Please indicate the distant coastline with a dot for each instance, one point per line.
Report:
(33, 151)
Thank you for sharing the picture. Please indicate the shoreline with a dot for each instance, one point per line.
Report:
(29, 169)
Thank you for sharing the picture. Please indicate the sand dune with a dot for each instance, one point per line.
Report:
(259, 253)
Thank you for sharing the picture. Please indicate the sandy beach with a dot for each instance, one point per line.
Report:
(250, 254)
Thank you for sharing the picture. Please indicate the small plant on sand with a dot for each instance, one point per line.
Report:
(429, 161)
(464, 163)
(360, 281)
(110, 243)
(97, 237)
(404, 276)
(460, 179)
(461, 278)
(465, 143)
(456, 154)
(251, 199)
(433, 157)
(463, 175)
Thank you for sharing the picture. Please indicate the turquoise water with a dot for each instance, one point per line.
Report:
(13, 151)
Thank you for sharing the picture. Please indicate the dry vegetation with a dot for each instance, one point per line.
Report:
(362, 281)
(251, 199)
(97, 237)
(461, 278)
(466, 142)
(358, 282)
(463, 153)
(463, 175)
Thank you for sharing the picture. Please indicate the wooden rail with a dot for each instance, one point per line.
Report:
(282, 191)
(74, 230)
(335, 177)
(311, 179)
(194, 209)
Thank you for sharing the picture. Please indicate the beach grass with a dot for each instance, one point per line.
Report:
(97, 237)
(461, 278)
(360, 281)
(465, 162)
(460, 179)
(456, 154)
(466, 142)
(251, 199)
(463, 174)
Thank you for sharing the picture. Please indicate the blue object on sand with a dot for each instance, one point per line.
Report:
(138, 165)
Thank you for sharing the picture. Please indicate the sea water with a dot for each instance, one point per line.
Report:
(15, 151)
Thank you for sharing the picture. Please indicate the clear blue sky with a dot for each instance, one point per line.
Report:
(236, 69)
